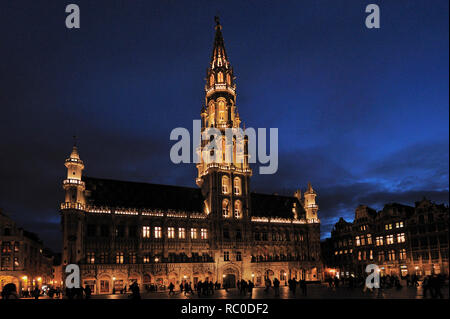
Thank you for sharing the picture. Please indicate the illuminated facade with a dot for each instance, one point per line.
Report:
(23, 259)
(120, 232)
(399, 239)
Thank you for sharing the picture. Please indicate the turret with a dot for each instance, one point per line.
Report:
(72, 209)
(310, 205)
(73, 185)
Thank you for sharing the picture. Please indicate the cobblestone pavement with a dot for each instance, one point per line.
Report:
(314, 291)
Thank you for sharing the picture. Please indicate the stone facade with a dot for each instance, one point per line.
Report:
(400, 239)
(23, 259)
(120, 232)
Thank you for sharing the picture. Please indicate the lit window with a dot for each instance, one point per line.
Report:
(388, 226)
(226, 208)
(225, 184)
(399, 225)
(358, 241)
(402, 254)
(237, 186)
(359, 255)
(237, 209)
(379, 241)
(391, 255)
(158, 232)
(389, 239)
(146, 259)
(90, 258)
(171, 232)
(204, 233)
(369, 239)
(194, 233)
(146, 232)
(181, 233)
(401, 238)
(119, 258)
(132, 258)
(363, 240)
(371, 254)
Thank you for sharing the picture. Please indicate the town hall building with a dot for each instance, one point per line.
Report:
(119, 232)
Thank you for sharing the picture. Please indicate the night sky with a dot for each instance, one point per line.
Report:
(362, 114)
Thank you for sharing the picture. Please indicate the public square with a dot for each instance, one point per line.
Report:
(314, 291)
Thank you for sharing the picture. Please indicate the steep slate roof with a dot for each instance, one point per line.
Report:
(265, 205)
(114, 193)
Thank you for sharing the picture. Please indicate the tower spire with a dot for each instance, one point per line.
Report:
(219, 55)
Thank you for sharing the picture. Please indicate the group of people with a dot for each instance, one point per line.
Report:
(10, 292)
(202, 288)
(245, 287)
(431, 284)
(292, 283)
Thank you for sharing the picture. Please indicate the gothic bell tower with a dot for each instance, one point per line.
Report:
(223, 173)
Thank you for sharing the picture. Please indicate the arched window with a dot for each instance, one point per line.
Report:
(226, 208)
(211, 79)
(228, 79)
(237, 186)
(221, 110)
(225, 185)
(220, 77)
(237, 209)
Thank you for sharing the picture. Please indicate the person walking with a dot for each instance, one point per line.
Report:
(87, 292)
(36, 293)
(181, 288)
(294, 286)
(250, 286)
(303, 287)
(171, 288)
(276, 287)
(135, 293)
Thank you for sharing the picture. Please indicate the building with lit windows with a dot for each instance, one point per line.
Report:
(120, 232)
(399, 239)
(23, 259)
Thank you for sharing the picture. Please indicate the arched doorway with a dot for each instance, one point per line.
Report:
(230, 276)
(269, 274)
(4, 280)
(229, 281)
